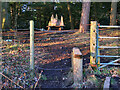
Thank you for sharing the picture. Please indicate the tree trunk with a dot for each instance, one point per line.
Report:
(113, 13)
(40, 22)
(7, 18)
(16, 14)
(13, 15)
(70, 16)
(84, 17)
(0, 45)
(39, 18)
(4, 14)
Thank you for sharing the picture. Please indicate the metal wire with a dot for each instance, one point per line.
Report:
(110, 37)
(103, 26)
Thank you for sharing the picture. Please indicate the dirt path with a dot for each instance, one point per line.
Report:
(56, 62)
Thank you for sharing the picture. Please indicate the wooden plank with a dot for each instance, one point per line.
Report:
(107, 83)
(93, 42)
(77, 65)
(49, 27)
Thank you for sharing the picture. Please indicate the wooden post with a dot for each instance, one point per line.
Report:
(59, 28)
(77, 65)
(107, 83)
(0, 45)
(32, 45)
(93, 42)
(48, 28)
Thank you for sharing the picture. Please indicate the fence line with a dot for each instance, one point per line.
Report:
(95, 48)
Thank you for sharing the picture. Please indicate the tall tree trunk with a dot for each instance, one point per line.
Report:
(113, 12)
(15, 22)
(84, 16)
(40, 21)
(0, 45)
(70, 16)
(13, 14)
(7, 18)
(5, 15)
(16, 15)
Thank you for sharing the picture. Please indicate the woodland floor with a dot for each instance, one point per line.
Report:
(53, 58)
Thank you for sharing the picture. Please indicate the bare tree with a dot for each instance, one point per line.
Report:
(84, 16)
(70, 15)
(113, 12)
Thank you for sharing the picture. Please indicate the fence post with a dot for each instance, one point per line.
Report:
(32, 45)
(93, 42)
(77, 65)
(0, 45)
(107, 83)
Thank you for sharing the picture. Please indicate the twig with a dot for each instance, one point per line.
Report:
(38, 79)
(11, 80)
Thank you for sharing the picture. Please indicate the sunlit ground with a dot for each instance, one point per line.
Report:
(49, 48)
